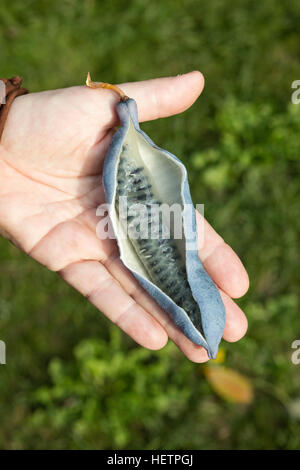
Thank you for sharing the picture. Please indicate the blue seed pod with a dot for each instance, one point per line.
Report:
(169, 269)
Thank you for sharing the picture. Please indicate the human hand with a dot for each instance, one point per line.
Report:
(51, 157)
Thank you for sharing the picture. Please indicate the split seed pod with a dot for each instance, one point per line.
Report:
(169, 269)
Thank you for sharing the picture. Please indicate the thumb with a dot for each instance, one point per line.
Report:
(157, 98)
(162, 97)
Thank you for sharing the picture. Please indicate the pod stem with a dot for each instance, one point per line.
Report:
(114, 88)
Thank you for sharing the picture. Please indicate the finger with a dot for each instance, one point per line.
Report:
(236, 323)
(92, 280)
(162, 97)
(220, 261)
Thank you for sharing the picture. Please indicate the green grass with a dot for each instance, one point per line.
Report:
(71, 379)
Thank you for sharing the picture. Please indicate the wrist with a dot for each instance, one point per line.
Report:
(9, 90)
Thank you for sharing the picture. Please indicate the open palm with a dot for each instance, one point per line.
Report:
(51, 158)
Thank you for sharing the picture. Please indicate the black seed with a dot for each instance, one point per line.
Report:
(153, 264)
(137, 181)
(145, 188)
(137, 170)
(157, 271)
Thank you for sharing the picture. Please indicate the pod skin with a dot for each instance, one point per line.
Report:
(162, 164)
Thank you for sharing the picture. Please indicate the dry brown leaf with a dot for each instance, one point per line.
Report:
(229, 384)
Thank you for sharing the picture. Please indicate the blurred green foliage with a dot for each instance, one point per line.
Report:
(72, 380)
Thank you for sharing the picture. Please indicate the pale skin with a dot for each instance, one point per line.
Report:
(51, 158)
